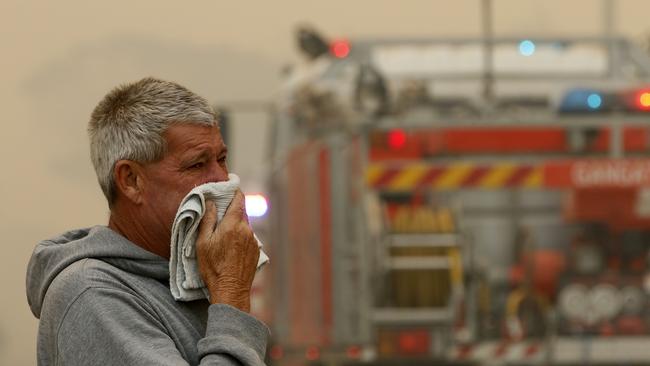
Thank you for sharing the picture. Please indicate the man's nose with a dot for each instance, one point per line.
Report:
(217, 173)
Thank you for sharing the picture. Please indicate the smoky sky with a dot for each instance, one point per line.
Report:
(64, 91)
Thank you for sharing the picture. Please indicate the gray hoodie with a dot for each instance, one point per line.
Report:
(103, 300)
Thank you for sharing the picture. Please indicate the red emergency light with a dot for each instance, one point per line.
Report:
(637, 100)
(642, 100)
(340, 48)
(396, 139)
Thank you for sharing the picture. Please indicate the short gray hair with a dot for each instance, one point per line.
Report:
(130, 121)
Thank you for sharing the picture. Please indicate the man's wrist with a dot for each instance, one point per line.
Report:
(230, 292)
(241, 303)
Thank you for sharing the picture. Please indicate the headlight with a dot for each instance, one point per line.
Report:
(574, 302)
(606, 301)
(634, 300)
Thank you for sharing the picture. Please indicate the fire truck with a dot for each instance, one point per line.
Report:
(452, 202)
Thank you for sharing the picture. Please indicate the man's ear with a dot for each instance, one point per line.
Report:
(129, 180)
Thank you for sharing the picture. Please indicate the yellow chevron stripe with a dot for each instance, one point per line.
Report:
(497, 176)
(373, 173)
(453, 176)
(534, 178)
(408, 177)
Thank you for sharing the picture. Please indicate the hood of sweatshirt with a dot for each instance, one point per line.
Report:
(52, 256)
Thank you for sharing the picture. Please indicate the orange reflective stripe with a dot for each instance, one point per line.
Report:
(373, 173)
(497, 176)
(408, 178)
(453, 176)
(535, 178)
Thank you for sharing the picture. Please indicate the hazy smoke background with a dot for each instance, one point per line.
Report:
(59, 58)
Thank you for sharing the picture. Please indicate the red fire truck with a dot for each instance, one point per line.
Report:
(417, 218)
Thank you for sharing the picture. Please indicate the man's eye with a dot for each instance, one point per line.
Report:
(197, 165)
(222, 160)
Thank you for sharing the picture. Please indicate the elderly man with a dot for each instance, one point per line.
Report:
(102, 294)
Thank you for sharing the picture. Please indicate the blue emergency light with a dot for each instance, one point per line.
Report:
(526, 47)
(594, 101)
(583, 101)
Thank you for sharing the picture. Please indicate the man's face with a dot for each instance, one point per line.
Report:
(195, 155)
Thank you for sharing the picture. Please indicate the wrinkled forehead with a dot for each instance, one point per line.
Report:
(186, 136)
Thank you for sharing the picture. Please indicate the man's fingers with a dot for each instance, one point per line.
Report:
(209, 221)
(242, 202)
(237, 210)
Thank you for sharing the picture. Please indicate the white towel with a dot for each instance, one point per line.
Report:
(184, 278)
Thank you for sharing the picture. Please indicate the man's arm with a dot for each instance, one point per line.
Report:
(107, 326)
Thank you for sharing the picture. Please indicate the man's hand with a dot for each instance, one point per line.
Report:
(227, 254)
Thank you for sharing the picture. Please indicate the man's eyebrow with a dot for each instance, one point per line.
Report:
(203, 154)
(195, 155)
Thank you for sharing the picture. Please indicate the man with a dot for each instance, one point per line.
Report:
(102, 294)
